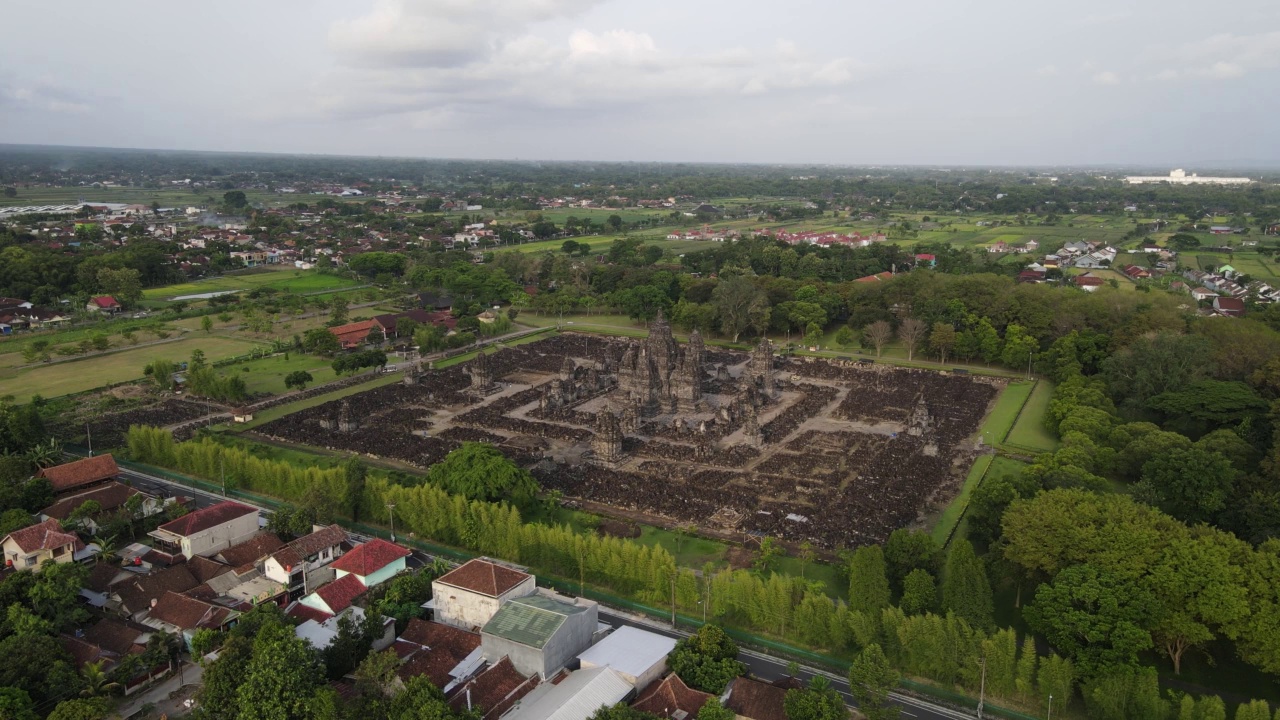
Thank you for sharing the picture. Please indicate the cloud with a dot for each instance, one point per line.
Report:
(43, 96)
(1106, 77)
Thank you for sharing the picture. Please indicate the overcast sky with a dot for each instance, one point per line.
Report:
(1160, 82)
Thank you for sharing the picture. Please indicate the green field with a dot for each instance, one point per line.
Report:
(281, 279)
(266, 375)
(1029, 431)
(167, 197)
(80, 375)
(600, 243)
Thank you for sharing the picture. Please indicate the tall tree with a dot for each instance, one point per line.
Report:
(911, 331)
(819, 701)
(281, 680)
(965, 589)
(1096, 618)
(942, 339)
(919, 593)
(736, 299)
(871, 679)
(868, 581)
(878, 334)
(354, 472)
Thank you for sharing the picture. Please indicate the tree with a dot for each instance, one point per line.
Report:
(235, 199)
(845, 337)
(878, 333)
(965, 590)
(280, 679)
(907, 550)
(10, 191)
(354, 472)
(770, 549)
(298, 380)
(420, 700)
(911, 331)
(124, 284)
(919, 594)
(871, 679)
(942, 338)
(737, 300)
(1094, 617)
(614, 222)
(706, 660)
(1192, 484)
(206, 324)
(621, 711)
(15, 704)
(1057, 679)
(478, 471)
(1200, 589)
(1253, 710)
(96, 681)
(712, 709)
(319, 341)
(819, 701)
(868, 581)
(94, 709)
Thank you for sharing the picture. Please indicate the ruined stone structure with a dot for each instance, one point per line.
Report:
(481, 375)
(344, 423)
(607, 443)
(918, 423)
(659, 375)
(575, 383)
(412, 373)
(760, 368)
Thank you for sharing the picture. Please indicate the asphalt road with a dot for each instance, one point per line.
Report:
(760, 665)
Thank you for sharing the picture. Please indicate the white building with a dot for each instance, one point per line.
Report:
(208, 530)
(469, 596)
(635, 654)
(577, 697)
(1180, 177)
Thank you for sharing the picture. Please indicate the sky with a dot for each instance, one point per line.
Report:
(1161, 83)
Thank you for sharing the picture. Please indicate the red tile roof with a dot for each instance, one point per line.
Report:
(203, 519)
(670, 696)
(188, 613)
(204, 569)
(110, 496)
(756, 700)
(1089, 280)
(370, 557)
(249, 552)
(352, 334)
(494, 691)
(484, 577)
(306, 612)
(81, 472)
(106, 302)
(338, 594)
(328, 537)
(437, 635)
(136, 594)
(47, 535)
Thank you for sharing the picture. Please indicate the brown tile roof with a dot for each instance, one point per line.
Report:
(110, 496)
(118, 636)
(304, 613)
(206, 518)
(101, 575)
(188, 613)
(249, 552)
(328, 537)
(484, 577)
(339, 593)
(446, 647)
(756, 700)
(137, 593)
(203, 569)
(47, 535)
(368, 558)
(84, 652)
(495, 690)
(81, 472)
(287, 557)
(666, 698)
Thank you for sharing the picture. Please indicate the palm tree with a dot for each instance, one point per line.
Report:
(106, 548)
(96, 681)
(45, 454)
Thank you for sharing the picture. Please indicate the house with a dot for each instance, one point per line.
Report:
(470, 595)
(304, 564)
(577, 697)
(1087, 282)
(80, 474)
(1229, 306)
(206, 531)
(998, 247)
(249, 553)
(373, 562)
(638, 655)
(878, 277)
(104, 304)
(134, 597)
(446, 655)
(1221, 230)
(672, 699)
(541, 633)
(353, 335)
(1200, 294)
(31, 547)
(494, 691)
(322, 631)
(1135, 273)
(1031, 276)
(335, 597)
(111, 498)
(184, 615)
(926, 258)
(755, 699)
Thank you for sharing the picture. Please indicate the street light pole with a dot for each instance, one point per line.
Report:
(391, 510)
(222, 465)
(89, 435)
(673, 599)
(982, 690)
(1050, 715)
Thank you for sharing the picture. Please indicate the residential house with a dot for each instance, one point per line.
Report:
(469, 596)
(206, 531)
(638, 655)
(998, 247)
(251, 552)
(755, 699)
(179, 614)
(1134, 272)
(31, 547)
(372, 563)
(322, 631)
(336, 596)
(446, 655)
(577, 697)
(541, 633)
(353, 335)
(80, 474)
(1087, 282)
(111, 499)
(305, 563)
(671, 699)
(494, 691)
(104, 304)
(1229, 306)
(1200, 294)
(1031, 276)
(1221, 230)
(134, 597)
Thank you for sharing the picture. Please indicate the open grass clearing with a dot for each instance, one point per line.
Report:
(283, 279)
(92, 372)
(266, 375)
(280, 411)
(1029, 431)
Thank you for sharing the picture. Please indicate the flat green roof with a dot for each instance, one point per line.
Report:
(530, 620)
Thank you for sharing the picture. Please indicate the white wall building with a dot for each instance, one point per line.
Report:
(1180, 177)
(470, 595)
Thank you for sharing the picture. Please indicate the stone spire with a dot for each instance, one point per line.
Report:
(607, 443)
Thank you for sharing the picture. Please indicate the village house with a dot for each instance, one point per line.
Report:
(1201, 294)
(671, 699)
(577, 697)
(446, 655)
(31, 547)
(334, 597)
(104, 304)
(304, 564)
(206, 531)
(372, 563)
(1229, 306)
(179, 614)
(638, 655)
(541, 633)
(110, 497)
(470, 595)
(493, 692)
(1087, 282)
(80, 475)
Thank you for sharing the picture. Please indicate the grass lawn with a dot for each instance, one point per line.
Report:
(1029, 431)
(81, 375)
(266, 375)
(998, 424)
(280, 411)
(285, 279)
(694, 552)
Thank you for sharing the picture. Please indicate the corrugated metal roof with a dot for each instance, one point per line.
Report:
(530, 620)
(629, 650)
(576, 698)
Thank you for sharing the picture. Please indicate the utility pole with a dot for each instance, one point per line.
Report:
(982, 689)
(1050, 715)
(391, 510)
(90, 436)
(222, 466)
(1029, 354)
(673, 598)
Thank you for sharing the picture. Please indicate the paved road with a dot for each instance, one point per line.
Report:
(771, 668)
(762, 666)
